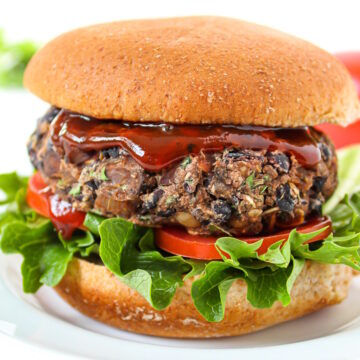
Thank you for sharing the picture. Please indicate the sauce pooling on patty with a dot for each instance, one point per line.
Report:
(157, 145)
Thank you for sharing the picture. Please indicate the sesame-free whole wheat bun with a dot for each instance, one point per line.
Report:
(97, 293)
(193, 70)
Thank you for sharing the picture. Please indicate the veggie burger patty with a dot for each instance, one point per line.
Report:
(239, 191)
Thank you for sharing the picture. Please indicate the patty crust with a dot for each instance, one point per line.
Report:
(243, 192)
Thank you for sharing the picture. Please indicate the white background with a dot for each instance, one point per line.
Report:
(333, 25)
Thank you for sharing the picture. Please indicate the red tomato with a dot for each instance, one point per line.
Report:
(176, 240)
(352, 62)
(37, 196)
(61, 213)
(343, 136)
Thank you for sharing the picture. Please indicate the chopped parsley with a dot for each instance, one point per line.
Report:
(103, 175)
(75, 190)
(250, 180)
(170, 200)
(185, 162)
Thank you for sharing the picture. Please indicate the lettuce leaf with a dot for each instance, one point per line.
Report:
(348, 176)
(82, 242)
(210, 290)
(13, 60)
(333, 250)
(238, 250)
(92, 222)
(10, 184)
(129, 252)
(45, 259)
(268, 285)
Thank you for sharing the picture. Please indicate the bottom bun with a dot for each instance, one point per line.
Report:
(97, 293)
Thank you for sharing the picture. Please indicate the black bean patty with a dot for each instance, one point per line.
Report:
(243, 192)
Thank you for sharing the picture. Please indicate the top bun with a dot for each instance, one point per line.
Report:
(193, 70)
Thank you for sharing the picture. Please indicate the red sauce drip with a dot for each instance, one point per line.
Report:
(157, 145)
(64, 217)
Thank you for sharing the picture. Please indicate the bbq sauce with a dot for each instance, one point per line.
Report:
(157, 145)
(64, 217)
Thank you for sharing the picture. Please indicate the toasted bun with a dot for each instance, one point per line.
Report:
(94, 291)
(193, 70)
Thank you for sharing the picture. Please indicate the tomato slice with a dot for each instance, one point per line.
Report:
(40, 198)
(176, 240)
(344, 136)
(351, 60)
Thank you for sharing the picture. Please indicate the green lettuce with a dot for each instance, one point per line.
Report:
(266, 285)
(269, 277)
(13, 60)
(129, 251)
(10, 184)
(46, 255)
(45, 259)
(348, 176)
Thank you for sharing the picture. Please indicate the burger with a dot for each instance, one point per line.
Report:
(181, 179)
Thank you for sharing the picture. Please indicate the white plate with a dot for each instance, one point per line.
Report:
(44, 319)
